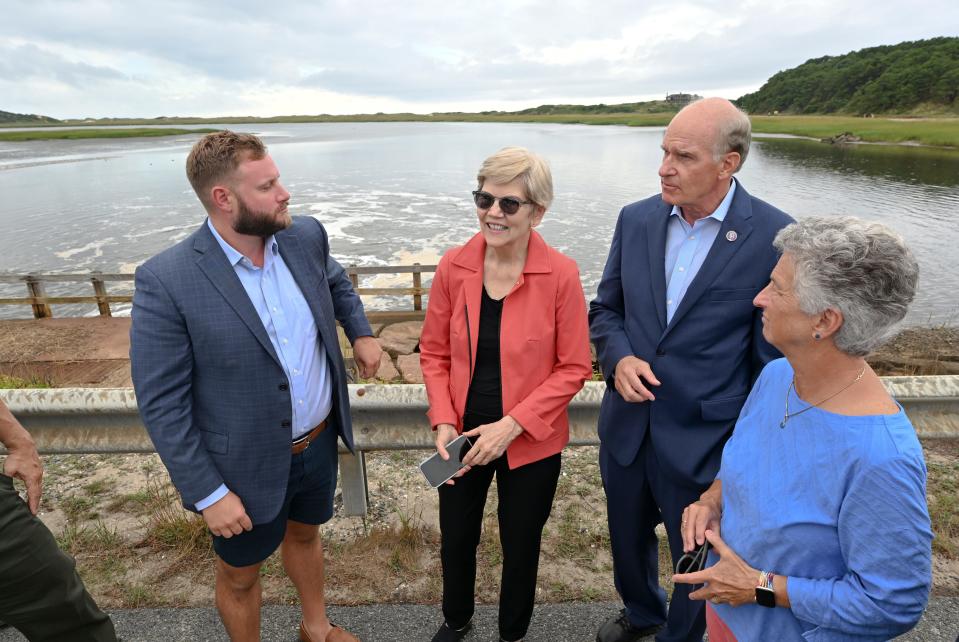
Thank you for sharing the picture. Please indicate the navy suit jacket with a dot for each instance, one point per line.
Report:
(709, 354)
(210, 387)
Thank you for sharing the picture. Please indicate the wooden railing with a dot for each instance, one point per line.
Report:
(41, 302)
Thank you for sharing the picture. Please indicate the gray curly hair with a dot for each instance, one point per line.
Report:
(861, 268)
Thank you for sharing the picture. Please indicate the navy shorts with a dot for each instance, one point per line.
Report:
(309, 500)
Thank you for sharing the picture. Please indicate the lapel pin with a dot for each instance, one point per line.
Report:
(731, 236)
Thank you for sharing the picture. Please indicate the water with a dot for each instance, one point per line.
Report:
(395, 193)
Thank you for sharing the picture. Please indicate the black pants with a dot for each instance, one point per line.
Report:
(41, 594)
(525, 499)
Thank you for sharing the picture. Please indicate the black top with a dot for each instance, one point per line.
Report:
(484, 401)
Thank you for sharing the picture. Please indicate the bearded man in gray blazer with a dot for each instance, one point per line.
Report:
(240, 380)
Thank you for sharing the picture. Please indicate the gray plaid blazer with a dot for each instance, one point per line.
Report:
(209, 385)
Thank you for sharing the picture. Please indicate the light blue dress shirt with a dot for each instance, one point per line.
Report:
(687, 246)
(289, 323)
(835, 503)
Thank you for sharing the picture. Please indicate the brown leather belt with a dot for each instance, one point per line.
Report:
(304, 442)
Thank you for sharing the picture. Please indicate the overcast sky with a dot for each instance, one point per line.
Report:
(144, 58)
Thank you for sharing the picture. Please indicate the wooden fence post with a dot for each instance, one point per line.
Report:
(354, 277)
(36, 289)
(100, 290)
(417, 283)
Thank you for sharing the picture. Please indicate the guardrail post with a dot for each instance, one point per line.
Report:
(353, 483)
(35, 288)
(417, 283)
(100, 290)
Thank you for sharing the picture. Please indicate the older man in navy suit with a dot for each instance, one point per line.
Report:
(240, 380)
(680, 344)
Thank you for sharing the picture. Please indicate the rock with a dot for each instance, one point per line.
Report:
(400, 338)
(387, 371)
(843, 138)
(409, 365)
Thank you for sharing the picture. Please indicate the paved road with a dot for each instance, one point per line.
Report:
(572, 622)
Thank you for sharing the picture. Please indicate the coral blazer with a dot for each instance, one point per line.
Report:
(544, 344)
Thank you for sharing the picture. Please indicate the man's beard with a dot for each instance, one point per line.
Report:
(254, 223)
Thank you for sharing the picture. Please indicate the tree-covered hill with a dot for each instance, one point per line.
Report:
(890, 79)
(8, 117)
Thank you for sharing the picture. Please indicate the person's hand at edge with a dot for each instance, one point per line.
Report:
(632, 376)
(227, 517)
(729, 581)
(366, 353)
(23, 463)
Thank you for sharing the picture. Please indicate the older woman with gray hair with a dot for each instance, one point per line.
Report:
(821, 494)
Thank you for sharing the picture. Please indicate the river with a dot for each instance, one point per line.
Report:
(395, 193)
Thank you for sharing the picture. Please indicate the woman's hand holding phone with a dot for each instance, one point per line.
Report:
(491, 440)
(445, 433)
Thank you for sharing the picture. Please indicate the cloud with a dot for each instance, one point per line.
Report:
(30, 62)
(145, 58)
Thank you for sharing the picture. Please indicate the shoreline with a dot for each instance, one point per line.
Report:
(83, 133)
(93, 352)
(933, 132)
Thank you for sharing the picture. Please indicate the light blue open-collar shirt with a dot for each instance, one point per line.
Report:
(289, 323)
(687, 246)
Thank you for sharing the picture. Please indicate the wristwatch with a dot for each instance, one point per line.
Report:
(765, 595)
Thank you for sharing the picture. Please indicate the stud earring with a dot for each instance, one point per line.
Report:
(817, 336)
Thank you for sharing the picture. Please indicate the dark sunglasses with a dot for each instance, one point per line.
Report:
(507, 204)
(693, 561)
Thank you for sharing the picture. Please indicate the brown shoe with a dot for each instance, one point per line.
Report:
(336, 634)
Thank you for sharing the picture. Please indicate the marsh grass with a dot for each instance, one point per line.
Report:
(386, 564)
(74, 134)
(933, 131)
(9, 381)
(136, 503)
(78, 508)
(942, 493)
(94, 539)
(937, 130)
(173, 530)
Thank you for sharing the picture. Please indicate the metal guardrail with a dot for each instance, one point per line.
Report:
(385, 417)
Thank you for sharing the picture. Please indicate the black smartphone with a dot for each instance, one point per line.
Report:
(438, 470)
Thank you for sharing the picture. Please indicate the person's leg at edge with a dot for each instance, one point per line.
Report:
(238, 599)
(461, 522)
(632, 515)
(41, 594)
(686, 621)
(525, 501)
(302, 551)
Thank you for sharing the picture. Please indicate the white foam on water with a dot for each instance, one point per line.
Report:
(95, 246)
(335, 229)
(160, 230)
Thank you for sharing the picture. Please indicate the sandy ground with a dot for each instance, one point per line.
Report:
(118, 516)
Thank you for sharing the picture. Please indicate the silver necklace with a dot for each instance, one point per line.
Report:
(792, 386)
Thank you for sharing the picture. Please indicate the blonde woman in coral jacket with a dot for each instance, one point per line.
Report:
(504, 348)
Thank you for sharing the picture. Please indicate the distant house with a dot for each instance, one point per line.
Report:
(681, 100)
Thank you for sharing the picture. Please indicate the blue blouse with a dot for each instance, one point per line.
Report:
(835, 503)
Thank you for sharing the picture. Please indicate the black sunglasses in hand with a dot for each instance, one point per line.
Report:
(693, 561)
(507, 204)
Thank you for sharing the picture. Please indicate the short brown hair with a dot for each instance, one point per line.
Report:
(217, 155)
